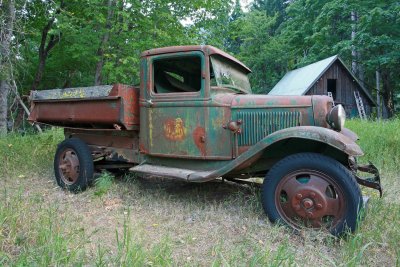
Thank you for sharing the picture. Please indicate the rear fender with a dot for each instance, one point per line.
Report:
(326, 136)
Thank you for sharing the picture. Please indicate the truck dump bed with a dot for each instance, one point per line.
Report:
(104, 107)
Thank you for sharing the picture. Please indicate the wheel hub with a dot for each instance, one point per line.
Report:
(69, 166)
(307, 203)
(309, 200)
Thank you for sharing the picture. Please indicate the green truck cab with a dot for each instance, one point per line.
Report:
(194, 118)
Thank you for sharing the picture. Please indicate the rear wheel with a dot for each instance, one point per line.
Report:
(313, 191)
(73, 165)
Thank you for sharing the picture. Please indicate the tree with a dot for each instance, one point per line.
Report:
(262, 46)
(265, 52)
(378, 39)
(104, 42)
(48, 40)
(7, 20)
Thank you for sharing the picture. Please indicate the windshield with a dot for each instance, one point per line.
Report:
(227, 74)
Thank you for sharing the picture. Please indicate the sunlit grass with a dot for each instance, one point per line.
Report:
(29, 154)
(150, 222)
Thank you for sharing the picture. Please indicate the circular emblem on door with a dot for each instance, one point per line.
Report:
(174, 129)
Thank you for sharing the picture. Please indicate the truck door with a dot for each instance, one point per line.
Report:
(172, 113)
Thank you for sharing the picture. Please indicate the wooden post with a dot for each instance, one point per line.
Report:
(378, 96)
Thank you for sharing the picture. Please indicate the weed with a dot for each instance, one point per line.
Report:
(103, 183)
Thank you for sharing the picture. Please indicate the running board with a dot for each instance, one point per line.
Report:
(175, 173)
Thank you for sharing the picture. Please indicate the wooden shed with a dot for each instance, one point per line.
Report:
(328, 75)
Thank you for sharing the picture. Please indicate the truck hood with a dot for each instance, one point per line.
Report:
(259, 101)
(313, 109)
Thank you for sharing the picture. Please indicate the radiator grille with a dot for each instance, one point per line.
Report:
(258, 124)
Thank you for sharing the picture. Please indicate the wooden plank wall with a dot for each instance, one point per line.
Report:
(345, 87)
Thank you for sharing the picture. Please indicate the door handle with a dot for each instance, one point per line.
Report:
(149, 102)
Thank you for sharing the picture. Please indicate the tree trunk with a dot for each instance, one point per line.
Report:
(103, 43)
(6, 33)
(39, 71)
(4, 90)
(45, 49)
(354, 66)
(378, 95)
(387, 93)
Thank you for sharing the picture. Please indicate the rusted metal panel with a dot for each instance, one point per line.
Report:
(113, 145)
(219, 141)
(88, 108)
(319, 134)
(176, 131)
(185, 124)
(111, 138)
(321, 106)
(100, 111)
(161, 171)
(169, 121)
(130, 113)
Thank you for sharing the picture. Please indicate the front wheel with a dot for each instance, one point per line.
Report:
(73, 165)
(314, 191)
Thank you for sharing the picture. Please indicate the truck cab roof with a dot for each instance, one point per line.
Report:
(208, 50)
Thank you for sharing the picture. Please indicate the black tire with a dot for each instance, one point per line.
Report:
(313, 191)
(73, 165)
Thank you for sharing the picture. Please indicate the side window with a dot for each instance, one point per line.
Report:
(177, 74)
(213, 81)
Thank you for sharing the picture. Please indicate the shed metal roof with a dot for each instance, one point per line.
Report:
(299, 81)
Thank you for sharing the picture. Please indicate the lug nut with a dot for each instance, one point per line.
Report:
(297, 207)
(299, 196)
(319, 206)
(312, 194)
(308, 203)
(310, 214)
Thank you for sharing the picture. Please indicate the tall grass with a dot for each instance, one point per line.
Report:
(29, 154)
(380, 141)
(33, 233)
(37, 230)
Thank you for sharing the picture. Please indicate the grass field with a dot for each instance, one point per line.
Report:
(133, 221)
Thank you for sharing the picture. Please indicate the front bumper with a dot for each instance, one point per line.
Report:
(371, 182)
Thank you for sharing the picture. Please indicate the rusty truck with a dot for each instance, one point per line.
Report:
(194, 118)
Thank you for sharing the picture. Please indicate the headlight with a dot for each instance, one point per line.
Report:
(336, 117)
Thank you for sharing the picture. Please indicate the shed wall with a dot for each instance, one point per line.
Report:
(345, 87)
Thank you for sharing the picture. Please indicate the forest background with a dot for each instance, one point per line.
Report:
(58, 43)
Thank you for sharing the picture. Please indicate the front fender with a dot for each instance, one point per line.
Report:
(341, 141)
(323, 135)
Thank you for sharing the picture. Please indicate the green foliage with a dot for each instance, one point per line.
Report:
(265, 53)
(273, 37)
(278, 36)
(135, 26)
(23, 155)
(103, 183)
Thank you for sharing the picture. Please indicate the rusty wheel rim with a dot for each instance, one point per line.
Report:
(308, 198)
(69, 166)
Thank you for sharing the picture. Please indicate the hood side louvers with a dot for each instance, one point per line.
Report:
(258, 124)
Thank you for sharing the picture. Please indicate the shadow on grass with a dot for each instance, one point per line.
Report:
(216, 192)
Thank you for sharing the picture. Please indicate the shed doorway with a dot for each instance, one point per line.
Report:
(331, 87)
